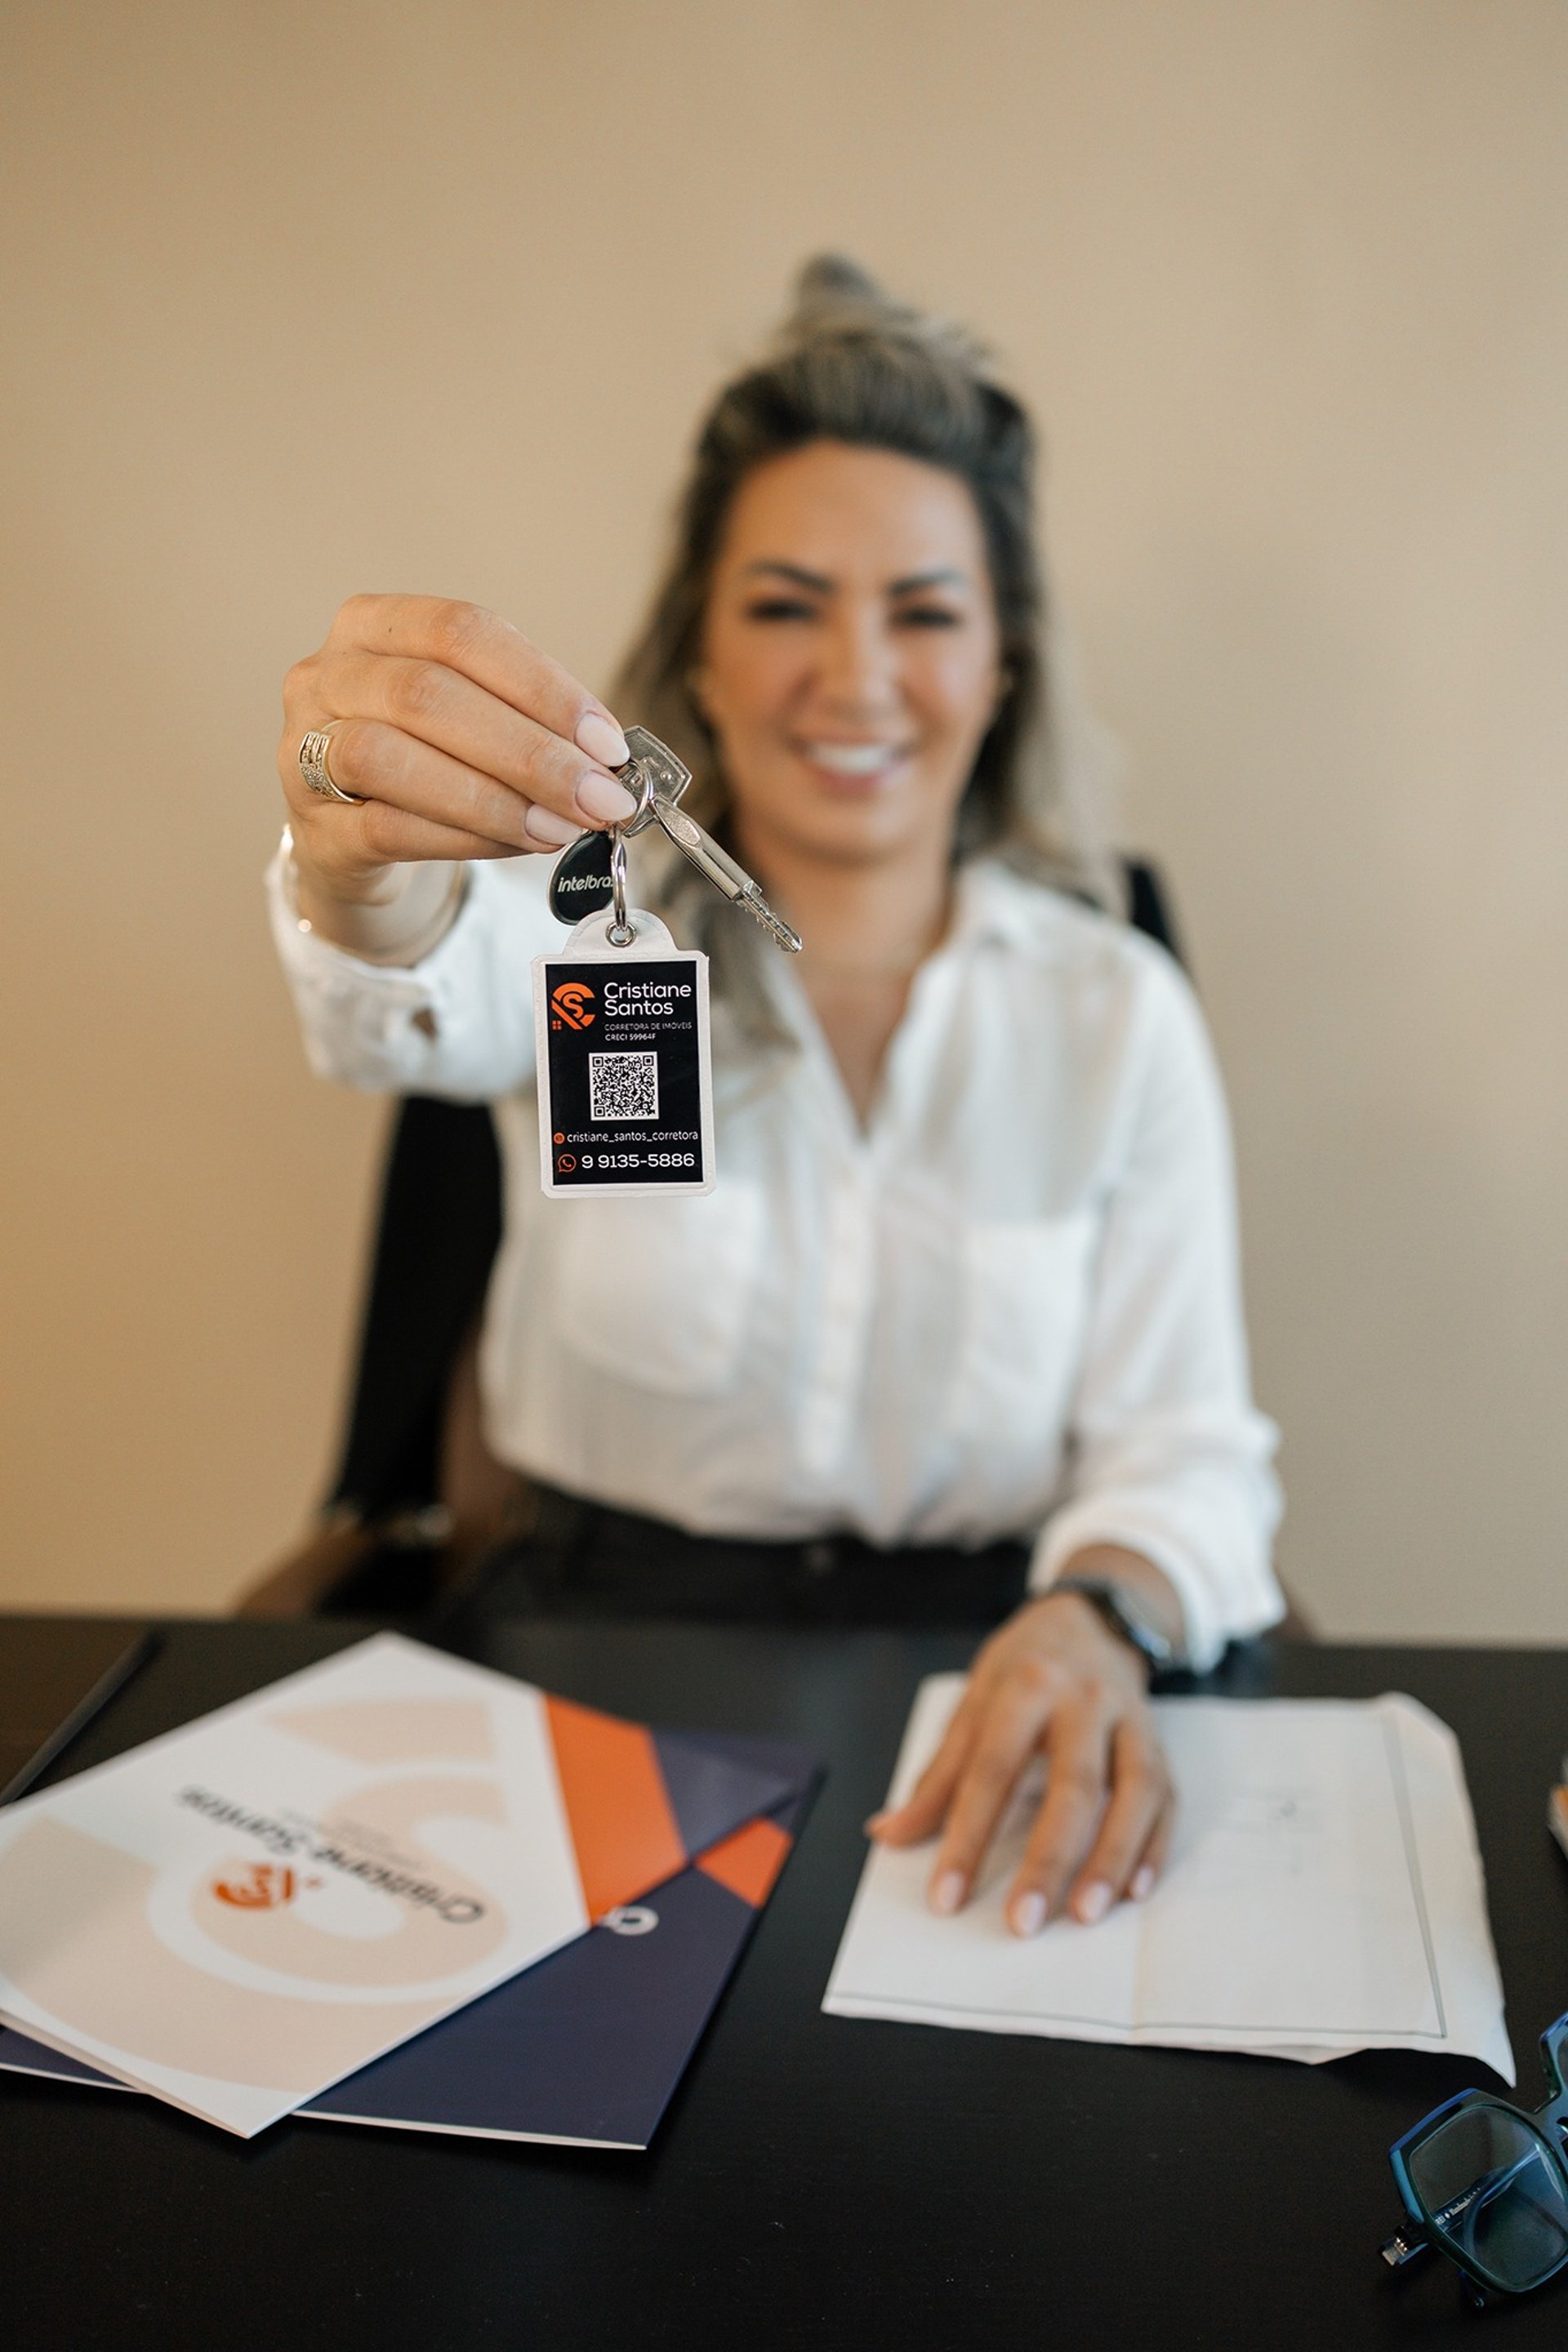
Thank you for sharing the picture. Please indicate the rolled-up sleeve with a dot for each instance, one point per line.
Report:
(1168, 1456)
(459, 1023)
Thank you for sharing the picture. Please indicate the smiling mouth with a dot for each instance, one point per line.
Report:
(855, 761)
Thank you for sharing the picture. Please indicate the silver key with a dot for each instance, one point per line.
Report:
(658, 779)
(702, 851)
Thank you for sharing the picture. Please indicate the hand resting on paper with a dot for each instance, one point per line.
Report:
(1055, 1682)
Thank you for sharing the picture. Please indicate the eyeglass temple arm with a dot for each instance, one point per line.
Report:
(1399, 2250)
(1554, 2048)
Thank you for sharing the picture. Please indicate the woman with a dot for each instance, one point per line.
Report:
(960, 1327)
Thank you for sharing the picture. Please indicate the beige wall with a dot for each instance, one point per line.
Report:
(303, 299)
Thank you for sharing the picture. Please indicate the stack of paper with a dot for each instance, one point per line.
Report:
(246, 1915)
(1324, 1893)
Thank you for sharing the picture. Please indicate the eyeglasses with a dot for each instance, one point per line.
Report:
(1486, 2184)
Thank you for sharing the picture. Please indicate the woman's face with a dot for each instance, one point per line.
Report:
(851, 657)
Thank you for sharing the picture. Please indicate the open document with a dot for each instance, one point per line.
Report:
(242, 1912)
(1323, 1894)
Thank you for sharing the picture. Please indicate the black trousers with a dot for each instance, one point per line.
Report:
(579, 1559)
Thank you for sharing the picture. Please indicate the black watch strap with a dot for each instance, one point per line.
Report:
(1127, 1614)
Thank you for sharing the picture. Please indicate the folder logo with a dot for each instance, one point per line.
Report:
(256, 1885)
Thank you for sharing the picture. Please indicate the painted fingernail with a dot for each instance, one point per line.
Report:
(1094, 1901)
(1143, 1885)
(602, 797)
(948, 1891)
(603, 741)
(1027, 1916)
(543, 825)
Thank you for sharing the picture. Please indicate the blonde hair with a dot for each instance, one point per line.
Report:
(851, 364)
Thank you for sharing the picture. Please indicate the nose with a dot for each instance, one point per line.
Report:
(860, 673)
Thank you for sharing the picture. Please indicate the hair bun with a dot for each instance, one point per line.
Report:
(834, 296)
(831, 281)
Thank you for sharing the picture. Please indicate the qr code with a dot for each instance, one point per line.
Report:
(623, 1086)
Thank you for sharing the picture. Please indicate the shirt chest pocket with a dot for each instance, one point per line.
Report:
(1025, 1290)
(657, 1292)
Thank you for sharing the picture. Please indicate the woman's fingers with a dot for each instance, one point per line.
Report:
(922, 1812)
(1055, 1680)
(1140, 1796)
(422, 702)
(382, 836)
(396, 770)
(1152, 1862)
(445, 712)
(419, 805)
(1078, 1752)
(478, 644)
(1103, 1847)
(1019, 1706)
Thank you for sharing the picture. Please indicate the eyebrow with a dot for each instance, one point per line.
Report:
(940, 576)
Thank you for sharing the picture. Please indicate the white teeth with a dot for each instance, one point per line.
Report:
(851, 759)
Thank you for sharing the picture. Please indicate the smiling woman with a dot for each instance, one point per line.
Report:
(850, 695)
(958, 1336)
(854, 369)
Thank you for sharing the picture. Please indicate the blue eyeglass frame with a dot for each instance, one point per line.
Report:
(1423, 2232)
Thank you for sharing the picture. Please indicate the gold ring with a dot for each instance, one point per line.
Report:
(314, 770)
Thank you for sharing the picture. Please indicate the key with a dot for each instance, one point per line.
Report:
(658, 779)
(702, 851)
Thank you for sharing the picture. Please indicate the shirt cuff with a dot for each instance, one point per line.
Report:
(369, 1024)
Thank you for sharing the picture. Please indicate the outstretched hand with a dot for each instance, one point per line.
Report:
(459, 738)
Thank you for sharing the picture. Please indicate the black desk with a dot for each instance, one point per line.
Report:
(819, 2181)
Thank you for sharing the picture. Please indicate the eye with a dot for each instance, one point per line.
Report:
(928, 616)
(781, 608)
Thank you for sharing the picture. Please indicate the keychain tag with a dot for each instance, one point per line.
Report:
(625, 1082)
(580, 882)
(620, 1016)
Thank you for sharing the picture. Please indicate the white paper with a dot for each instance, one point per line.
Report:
(1323, 1894)
(243, 1911)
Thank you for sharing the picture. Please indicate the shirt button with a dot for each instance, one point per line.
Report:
(819, 1558)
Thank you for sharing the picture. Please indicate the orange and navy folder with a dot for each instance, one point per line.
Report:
(586, 2047)
(244, 1912)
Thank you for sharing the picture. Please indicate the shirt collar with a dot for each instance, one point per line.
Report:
(991, 903)
(992, 906)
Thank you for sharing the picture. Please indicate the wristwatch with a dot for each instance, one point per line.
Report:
(1127, 1614)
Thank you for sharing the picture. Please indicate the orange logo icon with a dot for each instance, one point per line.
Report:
(260, 1886)
(572, 1003)
(565, 1164)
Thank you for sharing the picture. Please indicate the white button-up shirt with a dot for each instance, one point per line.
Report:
(1008, 1308)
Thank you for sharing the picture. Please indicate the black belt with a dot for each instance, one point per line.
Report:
(581, 1559)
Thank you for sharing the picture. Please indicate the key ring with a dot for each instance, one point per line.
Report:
(637, 776)
(621, 933)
